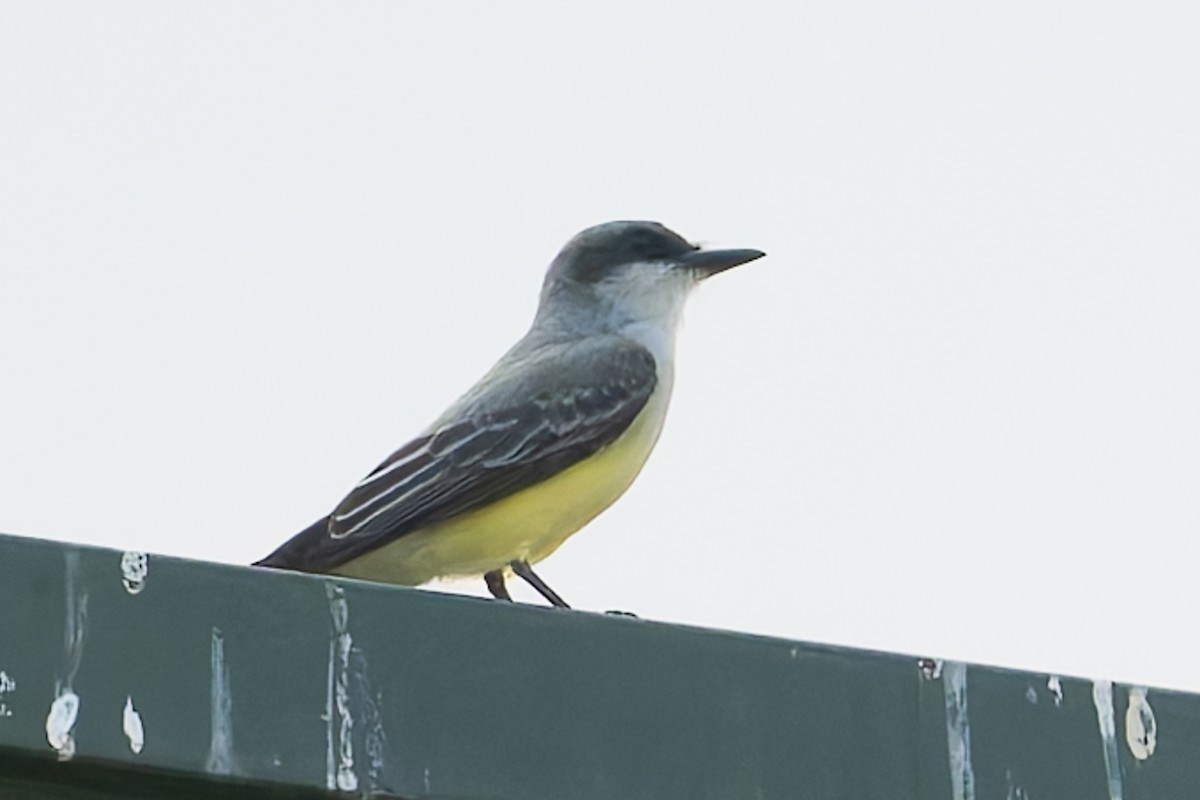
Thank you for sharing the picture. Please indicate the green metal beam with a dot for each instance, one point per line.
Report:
(126, 677)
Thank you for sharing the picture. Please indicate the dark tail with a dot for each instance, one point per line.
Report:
(301, 552)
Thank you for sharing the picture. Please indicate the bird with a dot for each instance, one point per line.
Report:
(545, 441)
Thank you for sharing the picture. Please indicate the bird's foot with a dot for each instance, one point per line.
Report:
(495, 584)
(524, 571)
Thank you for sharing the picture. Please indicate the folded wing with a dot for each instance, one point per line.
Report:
(541, 419)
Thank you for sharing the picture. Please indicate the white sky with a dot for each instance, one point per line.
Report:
(246, 250)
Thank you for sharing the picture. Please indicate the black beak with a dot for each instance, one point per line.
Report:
(706, 263)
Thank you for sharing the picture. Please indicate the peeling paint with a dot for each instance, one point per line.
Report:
(59, 722)
(1141, 729)
(8, 686)
(369, 705)
(64, 710)
(134, 568)
(1103, 700)
(131, 724)
(931, 668)
(76, 617)
(1015, 792)
(339, 758)
(1055, 686)
(958, 730)
(220, 747)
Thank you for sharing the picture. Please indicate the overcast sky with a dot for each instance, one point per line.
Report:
(247, 250)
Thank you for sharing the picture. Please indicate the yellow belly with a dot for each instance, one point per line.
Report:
(528, 525)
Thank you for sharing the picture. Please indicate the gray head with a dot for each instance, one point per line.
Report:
(603, 251)
(632, 270)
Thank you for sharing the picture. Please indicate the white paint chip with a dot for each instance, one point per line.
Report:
(131, 723)
(8, 685)
(958, 730)
(931, 668)
(1141, 729)
(1015, 792)
(220, 747)
(1055, 687)
(59, 722)
(339, 758)
(1102, 698)
(134, 568)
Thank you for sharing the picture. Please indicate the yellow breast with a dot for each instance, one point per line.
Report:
(528, 525)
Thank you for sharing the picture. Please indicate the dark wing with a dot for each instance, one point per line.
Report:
(483, 456)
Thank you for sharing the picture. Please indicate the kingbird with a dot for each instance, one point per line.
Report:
(545, 441)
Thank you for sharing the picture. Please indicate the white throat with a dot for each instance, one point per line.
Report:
(645, 304)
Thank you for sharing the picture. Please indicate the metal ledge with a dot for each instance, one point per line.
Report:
(127, 676)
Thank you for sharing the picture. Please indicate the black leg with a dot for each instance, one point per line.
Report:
(526, 572)
(495, 584)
